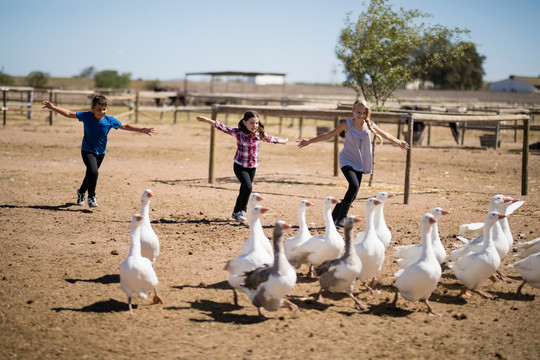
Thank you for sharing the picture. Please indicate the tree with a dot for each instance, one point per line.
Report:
(88, 72)
(461, 73)
(37, 79)
(110, 79)
(378, 50)
(6, 79)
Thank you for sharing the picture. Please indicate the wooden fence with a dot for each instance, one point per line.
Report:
(409, 117)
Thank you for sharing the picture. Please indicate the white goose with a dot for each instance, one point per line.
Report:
(255, 228)
(528, 248)
(508, 210)
(474, 268)
(137, 274)
(499, 238)
(318, 249)
(371, 249)
(383, 232)
(303, 234)
(409, 254)
(149, 239)
(529, 268)
(339, 275)
(267, 286)
(419, 280)
(255, 257)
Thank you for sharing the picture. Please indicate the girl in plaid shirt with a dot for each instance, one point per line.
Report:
(249, 134)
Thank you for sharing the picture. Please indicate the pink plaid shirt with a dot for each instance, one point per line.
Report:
(247, 152)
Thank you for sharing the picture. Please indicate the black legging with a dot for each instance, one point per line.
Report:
(354, 178)
(92, 162)
(245, 176)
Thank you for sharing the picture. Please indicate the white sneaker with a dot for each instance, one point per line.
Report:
(80, 197)
(92, 202)
(242, 216)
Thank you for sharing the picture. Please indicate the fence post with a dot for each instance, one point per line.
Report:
(525, 158)
(407, 187)
(30, 100)
(336, 148)
(51, 112)
(137, 108)
(211, 174)
(4, 104)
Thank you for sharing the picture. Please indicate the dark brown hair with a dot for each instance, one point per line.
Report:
(99, 100)
(248, 115)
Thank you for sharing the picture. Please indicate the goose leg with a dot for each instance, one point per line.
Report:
(482, 294)
(465, 292)
(320, 298)
(503, 277)
(290, 305)
(130, 311)
(157, 299)
(235, 297)
(394, 303)
(357, 304)
(520, 287)
(430, 310)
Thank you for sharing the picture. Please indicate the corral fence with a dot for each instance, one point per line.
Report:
(408, 117)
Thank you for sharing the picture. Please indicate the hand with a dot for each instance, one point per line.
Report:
(148, 131)
(403, 145)
(302, 143)
(46, 105)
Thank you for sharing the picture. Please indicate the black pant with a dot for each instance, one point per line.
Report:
(245, 176)
(92, 162)
(354, 178)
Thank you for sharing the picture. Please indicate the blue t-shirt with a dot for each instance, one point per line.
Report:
(95, 132)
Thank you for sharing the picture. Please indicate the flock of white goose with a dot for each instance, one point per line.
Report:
(267, 274)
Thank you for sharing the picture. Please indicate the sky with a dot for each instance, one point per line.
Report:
(165, 39)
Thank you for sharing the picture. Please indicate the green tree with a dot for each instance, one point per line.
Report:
(88, 72)
(37, 79)
(461, 73)
(110, 79)
(377, 51)
(6, 79)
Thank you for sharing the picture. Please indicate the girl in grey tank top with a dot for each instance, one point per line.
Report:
(356, 157)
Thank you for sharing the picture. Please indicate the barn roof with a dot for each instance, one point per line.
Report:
(235, 73)
(528, 79)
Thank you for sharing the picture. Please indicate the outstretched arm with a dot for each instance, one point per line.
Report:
(64, 112)
(206, 120)
(129, 127)
(386, 135)
(323, 137)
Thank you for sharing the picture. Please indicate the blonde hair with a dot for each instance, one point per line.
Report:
(363, 104)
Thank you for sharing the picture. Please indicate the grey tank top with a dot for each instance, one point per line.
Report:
(357, 149)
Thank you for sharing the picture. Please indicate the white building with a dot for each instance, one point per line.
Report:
(519, 84)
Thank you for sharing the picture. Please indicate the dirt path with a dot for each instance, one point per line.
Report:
(60, 289)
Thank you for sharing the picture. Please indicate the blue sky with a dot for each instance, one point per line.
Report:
(163, 39)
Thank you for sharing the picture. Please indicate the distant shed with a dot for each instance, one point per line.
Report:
(257, 78)
(518, 84)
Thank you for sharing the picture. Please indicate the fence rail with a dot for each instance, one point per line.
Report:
(410, 117)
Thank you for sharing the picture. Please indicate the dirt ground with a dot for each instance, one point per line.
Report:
(60, 290)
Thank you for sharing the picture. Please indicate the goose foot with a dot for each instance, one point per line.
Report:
(494, 278)
(130, 311)
(357, 304)
(465, 292)
(482, 294)
(156, 299)
(290, 305)
(430, 309)
(320, 298)
(503, 277)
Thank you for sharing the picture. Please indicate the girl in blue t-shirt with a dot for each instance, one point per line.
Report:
(356, 158)
(97, 125)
